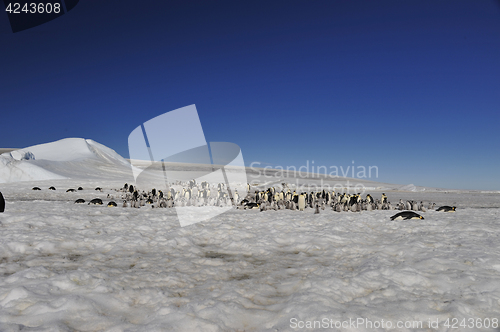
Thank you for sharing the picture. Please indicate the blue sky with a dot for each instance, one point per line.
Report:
(412, 87)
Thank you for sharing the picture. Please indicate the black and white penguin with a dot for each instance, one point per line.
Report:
(2, 203)
(302, 202)
(80, 188)
(70, 190)
(80, 201)
(96, 201)
(125, 204)
(98, 189)
(369, 198)
(35, 188)
(111, 204)
(447, 208)
(252, 206)
(52, 188)
(406, 215)
(384, 198)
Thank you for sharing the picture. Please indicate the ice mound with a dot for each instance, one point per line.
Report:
(12, 170)
(66, 158)
(408, 187)
(70, 149)
(22, 155)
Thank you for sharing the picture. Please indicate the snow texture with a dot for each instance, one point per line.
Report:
(67, 267)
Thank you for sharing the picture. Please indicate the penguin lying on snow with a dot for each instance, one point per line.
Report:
(96, 201)
(252, 206)
(406, 215)
(2, 203)
(447, 208)
(80, 201)
(52, 188)
(70, 190)
(36, 188)
(111, 204)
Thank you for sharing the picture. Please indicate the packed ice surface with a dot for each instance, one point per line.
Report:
(71, 267)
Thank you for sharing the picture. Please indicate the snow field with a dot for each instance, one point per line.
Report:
(69, 267)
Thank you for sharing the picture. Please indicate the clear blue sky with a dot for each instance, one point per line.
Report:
(412, 87)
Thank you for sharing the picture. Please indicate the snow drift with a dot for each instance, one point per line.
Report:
(66, 158)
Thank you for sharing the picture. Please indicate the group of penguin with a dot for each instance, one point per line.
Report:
(192, 194)
(271, 199)
(95, 201)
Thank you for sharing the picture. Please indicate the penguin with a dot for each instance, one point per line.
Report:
(98, 189)
(447, 208)
(149, 201)
(52, 188)
(338, 207)
(80, 201)
(124, 203)
(369, 198)
(70, 190)
(111, 204)
(96, 201)
(2, 203)
(80, 188)
(384, 198)
(406, 215)
(302, 202)
(317, 209)
(36, 188)
(263, 207)
(252, 206)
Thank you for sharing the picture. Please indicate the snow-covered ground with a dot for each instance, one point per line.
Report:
(67, 267)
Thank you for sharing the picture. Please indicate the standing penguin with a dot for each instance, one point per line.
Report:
(2, 203)
(384, 198)
(302, 202)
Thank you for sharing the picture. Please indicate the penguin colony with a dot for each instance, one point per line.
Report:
(192, 194)
(205, 194)
(271, 199)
